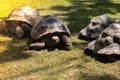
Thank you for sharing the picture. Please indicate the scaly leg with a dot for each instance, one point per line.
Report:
(66, 41)
(37, 45)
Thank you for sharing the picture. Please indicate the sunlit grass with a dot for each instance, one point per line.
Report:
(2, 48)
(8, 5)
(5, 39)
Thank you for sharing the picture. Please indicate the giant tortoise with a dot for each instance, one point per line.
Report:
(50, 32)
(95, 27)
(21, 20)
(108, 42)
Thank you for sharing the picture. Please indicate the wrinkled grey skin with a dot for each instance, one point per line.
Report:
(95, 27)
(21, 20)
(108, 41)
(51, 31)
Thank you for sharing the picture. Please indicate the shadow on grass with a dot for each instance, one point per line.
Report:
(81, 11)
(97, 77)
(98, 57)
(15, 49)
(102, 57)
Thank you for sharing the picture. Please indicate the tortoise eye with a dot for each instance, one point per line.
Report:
(94, 23)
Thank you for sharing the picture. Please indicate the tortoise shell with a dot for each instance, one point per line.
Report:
(49, 25)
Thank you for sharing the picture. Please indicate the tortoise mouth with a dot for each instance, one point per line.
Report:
(85, 37)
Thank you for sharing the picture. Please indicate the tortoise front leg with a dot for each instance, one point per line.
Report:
(67, 42)
(37, 45)
(19, 32)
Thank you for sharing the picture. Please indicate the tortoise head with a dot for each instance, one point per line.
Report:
(55, 40)
(96, 26)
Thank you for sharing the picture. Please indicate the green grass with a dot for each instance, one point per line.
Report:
(18, 63)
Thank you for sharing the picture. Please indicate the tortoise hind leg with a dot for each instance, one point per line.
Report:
(37, 45)
(66, 41)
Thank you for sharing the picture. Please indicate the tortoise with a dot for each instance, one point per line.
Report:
(50, 32)
(108, 42)
(21, 20)
(95, 27)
